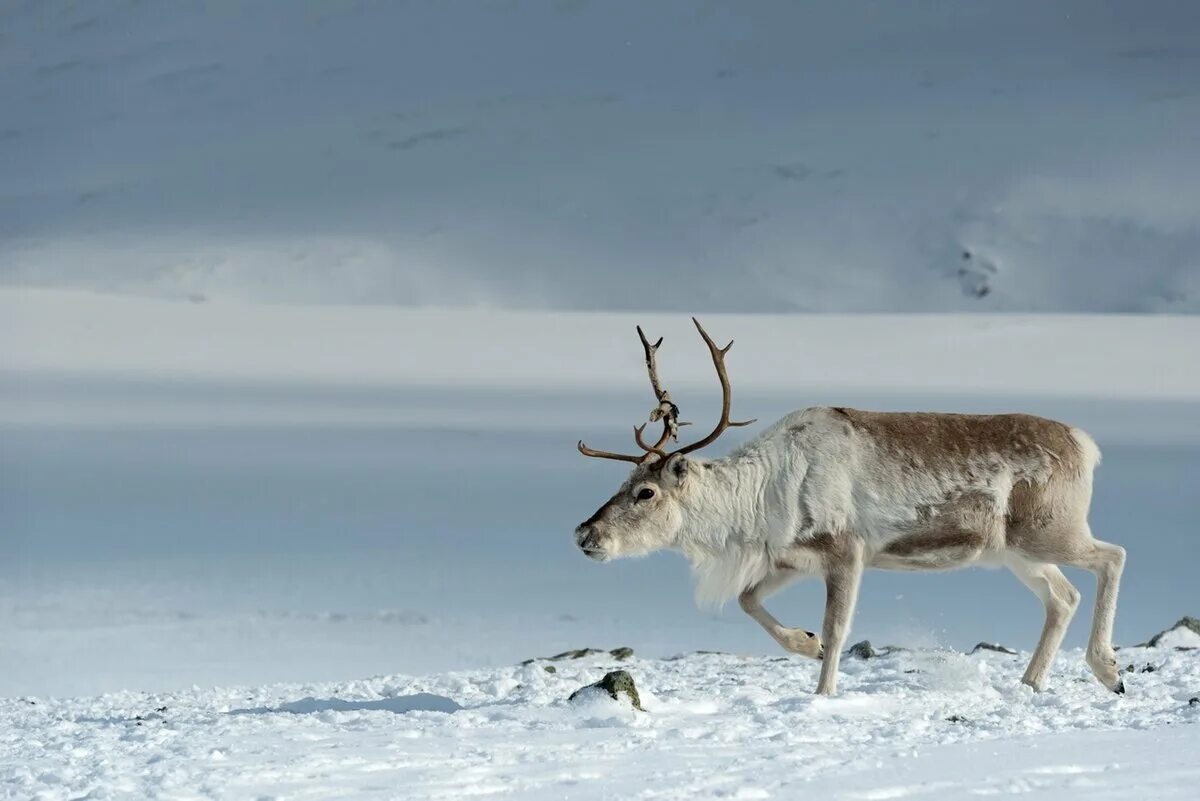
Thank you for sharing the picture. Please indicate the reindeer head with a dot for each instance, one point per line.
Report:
(647, 512)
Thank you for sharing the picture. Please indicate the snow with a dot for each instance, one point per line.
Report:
(838, 156)
(933, 724)
(1179, 637)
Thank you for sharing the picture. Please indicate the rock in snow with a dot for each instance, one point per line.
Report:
(864, 650)
(620, 654)
(616, 683)
(992, 646)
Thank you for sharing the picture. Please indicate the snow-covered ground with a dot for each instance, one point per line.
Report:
(912, 724)
(770, 156)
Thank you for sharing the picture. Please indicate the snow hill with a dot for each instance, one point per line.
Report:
(833, 156)
(912, 724)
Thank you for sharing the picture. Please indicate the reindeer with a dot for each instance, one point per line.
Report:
(834, 491)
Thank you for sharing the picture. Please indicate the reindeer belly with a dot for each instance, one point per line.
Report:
(962, 530)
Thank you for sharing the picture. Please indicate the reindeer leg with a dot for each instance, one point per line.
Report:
(797, 641)
(1106, 561)
(1060, 600)
(843, 572)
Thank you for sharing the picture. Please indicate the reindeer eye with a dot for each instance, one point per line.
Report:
(645, 494)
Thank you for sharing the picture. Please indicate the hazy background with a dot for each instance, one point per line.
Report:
(218, 466)
(690, 156)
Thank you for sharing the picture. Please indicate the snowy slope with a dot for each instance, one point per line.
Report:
(915, 724)
(834, 156)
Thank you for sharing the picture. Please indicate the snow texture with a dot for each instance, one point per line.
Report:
(911, 724)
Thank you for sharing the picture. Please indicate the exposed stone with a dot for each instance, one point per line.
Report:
(550, 668)
(580, 653)
(615, 684)
(577, 653)
(864, 650)
(992, 646)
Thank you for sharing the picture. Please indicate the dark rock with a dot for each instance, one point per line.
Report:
(1186, 622)
(1148, 669)
(957, 719)
(1194, 701)
(550, 668)
(614, 683)
(992, 646)
(576, 653)
(622, 653)
(863, 650)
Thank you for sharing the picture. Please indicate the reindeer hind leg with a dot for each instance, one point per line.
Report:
(1060, 600)
(1073, 544)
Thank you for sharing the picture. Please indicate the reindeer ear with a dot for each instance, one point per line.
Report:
(676, 467)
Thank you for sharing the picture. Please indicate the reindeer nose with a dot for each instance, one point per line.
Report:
(586, 538)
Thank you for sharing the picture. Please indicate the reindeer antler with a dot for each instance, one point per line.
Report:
(668, 412)
(718, 357)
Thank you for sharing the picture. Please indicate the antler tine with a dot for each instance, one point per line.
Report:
(718, 357)
(620, 457)
(665, 410)
(656, 448)
(650, 366)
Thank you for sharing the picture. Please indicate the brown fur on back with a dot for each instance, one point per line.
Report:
(1051, 487)
(929, 438)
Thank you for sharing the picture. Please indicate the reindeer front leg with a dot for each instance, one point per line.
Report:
(797, 641)
(843, 571)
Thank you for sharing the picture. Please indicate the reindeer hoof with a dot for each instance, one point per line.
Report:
(1104, 667)
(805, 643)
